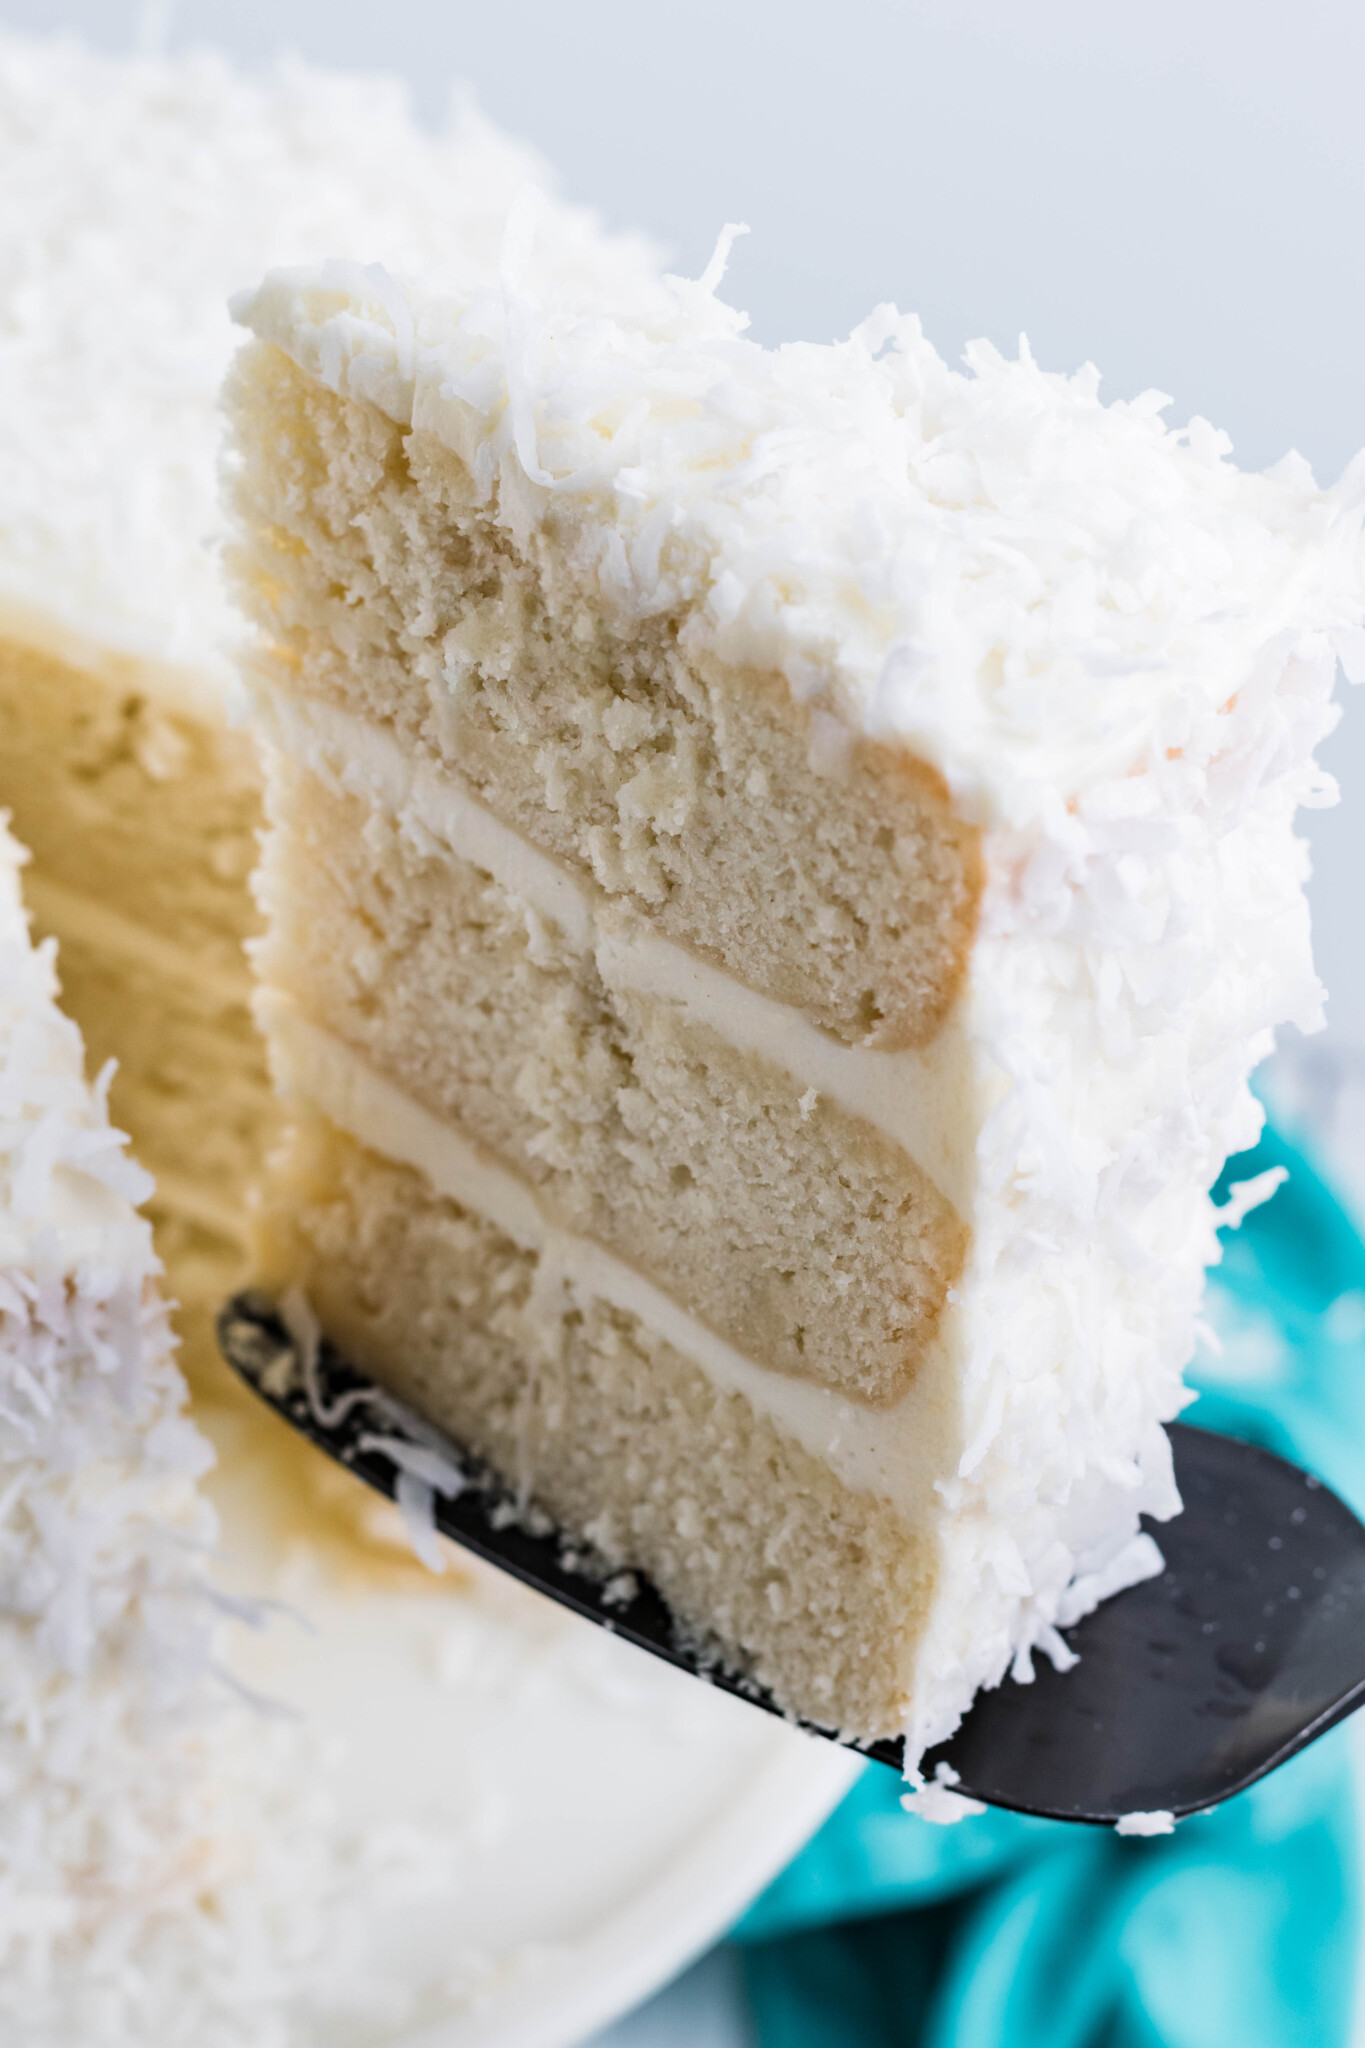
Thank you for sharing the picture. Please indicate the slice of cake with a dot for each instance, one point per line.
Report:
(134, 196)
(779, 868)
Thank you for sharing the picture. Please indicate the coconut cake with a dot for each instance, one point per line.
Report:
(780, 865)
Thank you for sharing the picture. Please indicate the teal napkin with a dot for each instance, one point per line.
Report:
(1237, 1931)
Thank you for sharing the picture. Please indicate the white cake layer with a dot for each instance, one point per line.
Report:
(135, 195)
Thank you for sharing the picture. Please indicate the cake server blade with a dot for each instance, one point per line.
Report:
(1249, 1645)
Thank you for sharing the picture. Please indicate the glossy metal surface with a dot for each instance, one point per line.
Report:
(1189, 1687)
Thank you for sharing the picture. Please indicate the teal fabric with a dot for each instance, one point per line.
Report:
(1238, 1931)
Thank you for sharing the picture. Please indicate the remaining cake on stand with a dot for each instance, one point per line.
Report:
(165, 1863)
(780, 866)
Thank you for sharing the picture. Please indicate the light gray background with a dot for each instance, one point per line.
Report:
(1173, 191)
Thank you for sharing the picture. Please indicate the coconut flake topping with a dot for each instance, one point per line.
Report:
(1034, 591)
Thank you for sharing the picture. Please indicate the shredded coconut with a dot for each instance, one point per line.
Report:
(938, 1802)
(1159, 1822)
(1246, 1195)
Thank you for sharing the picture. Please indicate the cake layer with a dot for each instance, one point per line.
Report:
(125, 801)
(820, 1591)
(822, 869)
(798, 1232)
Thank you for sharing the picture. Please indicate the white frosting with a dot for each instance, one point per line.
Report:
(923, 1101)
(1036, 593)
(1118, 651)
(875, 1450)
(134, 197)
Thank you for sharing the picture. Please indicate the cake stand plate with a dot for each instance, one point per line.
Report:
(560, 1823)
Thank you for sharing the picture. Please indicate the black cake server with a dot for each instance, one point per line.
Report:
(1190, 1686)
